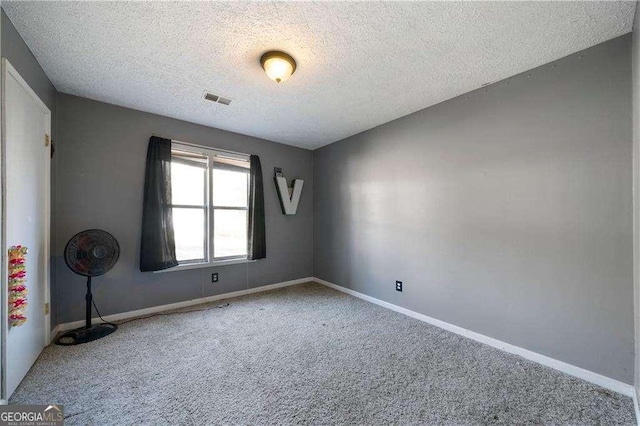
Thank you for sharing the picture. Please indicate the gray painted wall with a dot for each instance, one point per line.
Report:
(101, 160)
(16, 51)
(506, 211)
(635, 54)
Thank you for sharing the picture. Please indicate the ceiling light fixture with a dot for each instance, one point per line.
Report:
(279, 66)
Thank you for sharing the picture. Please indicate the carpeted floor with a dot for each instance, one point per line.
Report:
(305, 355)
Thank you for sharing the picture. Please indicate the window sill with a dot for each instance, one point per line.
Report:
(213, 264)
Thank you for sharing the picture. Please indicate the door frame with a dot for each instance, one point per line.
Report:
(9, 70)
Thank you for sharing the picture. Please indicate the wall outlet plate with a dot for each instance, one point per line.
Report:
(398, 285)
(214, 277)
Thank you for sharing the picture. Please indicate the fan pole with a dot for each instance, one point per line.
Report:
(88, 333)
(89, 299)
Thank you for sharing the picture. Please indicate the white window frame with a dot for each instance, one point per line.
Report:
(211, 154)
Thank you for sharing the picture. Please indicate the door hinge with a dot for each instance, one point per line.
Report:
(46, 309)
(46, 140)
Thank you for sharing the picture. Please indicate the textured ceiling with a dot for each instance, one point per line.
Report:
(359, 64)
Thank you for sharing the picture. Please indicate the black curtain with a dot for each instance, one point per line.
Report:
(158, 247)
(257, 243)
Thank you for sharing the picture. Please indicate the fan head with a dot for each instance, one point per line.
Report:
(92, 252)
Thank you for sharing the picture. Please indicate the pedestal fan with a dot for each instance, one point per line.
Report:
(90, 253)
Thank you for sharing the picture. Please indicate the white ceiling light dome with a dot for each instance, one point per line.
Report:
(279, 66)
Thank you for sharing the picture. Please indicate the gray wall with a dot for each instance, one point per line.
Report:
(635, 52)
(506, 211)
(101, 159)
(16, 51)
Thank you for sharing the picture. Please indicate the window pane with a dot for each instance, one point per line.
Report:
(230, 233)
(189, 227)
(230, 188)
(187, 183)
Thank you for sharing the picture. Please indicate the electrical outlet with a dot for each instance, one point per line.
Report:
(398, 285)
(214, 277)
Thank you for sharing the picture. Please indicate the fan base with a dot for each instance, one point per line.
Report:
(85, 335)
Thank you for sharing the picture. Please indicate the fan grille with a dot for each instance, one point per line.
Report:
(92, 252)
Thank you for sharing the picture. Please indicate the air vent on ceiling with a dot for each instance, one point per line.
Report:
(216, 98)
(211, 97)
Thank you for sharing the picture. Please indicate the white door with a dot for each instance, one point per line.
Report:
(26, 165)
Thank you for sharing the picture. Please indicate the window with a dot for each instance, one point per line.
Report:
(210, 196)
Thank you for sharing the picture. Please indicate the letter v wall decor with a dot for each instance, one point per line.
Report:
(289, 197)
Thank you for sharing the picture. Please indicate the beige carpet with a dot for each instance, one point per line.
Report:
(305, 355)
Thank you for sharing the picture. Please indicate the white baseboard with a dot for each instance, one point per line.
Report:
(54, 333)
(171, 306)
(589, 376)
(581, 373)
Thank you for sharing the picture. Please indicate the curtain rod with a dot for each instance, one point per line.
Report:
(211, 148)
